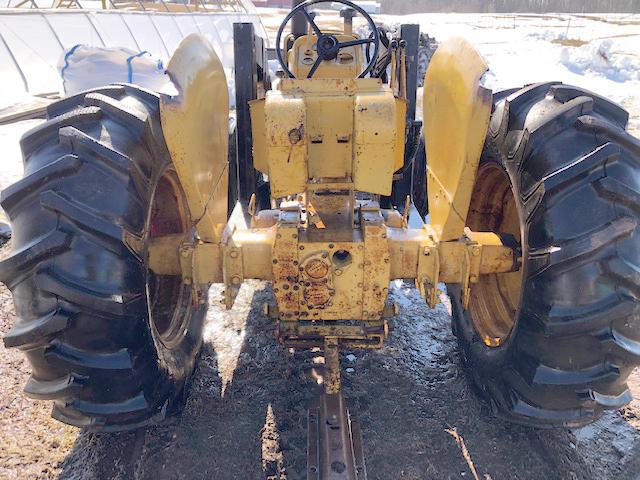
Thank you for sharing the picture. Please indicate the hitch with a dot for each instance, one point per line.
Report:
(334, 442)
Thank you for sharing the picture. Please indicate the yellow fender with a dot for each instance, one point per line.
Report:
(195, 124)
(456, 118)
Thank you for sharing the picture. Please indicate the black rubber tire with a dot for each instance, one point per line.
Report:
(419, 194)
(575, 175)
(77, 270)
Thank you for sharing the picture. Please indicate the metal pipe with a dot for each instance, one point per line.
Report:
(403, 69)
(393, 46)
(15, 62)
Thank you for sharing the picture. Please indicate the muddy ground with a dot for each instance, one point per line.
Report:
(245, 417)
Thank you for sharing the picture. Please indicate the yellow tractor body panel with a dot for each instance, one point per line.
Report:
(377, 148)
(456, 118)
(195, 124)
(347, 64)
(286, 143)
(309, 131)
(330, 130)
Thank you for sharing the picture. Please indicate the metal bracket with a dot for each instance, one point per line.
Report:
(465, 273)
(429, 275)
(232, 272)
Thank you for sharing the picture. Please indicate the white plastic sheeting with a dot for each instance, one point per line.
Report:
(33, 41)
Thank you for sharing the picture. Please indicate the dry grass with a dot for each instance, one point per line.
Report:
(465, 452)
(569, 42)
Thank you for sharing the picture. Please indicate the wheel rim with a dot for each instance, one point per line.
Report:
(167, 295)
(495, 299)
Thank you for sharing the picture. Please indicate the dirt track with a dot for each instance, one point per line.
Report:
(408, 395)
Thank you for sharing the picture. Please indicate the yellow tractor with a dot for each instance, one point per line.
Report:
(131, 207)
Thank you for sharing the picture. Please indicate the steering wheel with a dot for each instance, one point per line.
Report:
(327, 45)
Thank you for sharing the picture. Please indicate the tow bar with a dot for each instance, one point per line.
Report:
(334, 443)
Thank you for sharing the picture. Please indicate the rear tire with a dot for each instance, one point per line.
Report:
(573, 172)
(111, 343)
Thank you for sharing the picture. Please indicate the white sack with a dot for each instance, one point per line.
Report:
(83, 67)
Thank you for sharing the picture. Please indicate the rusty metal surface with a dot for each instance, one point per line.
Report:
(353, 334)
(337, 295)
(334, 446)
(332, 365)
(377, 267)
(286, 266)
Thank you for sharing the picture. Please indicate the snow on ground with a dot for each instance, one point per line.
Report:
(600, 53)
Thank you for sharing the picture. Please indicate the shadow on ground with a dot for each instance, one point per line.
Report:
(408, 396)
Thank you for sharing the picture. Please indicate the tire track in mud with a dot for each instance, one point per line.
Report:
(407, 395)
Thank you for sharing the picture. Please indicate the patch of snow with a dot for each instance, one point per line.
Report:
(524, 49)
(225, 330)
(423, 332)
(611, 429)
(598, 58)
